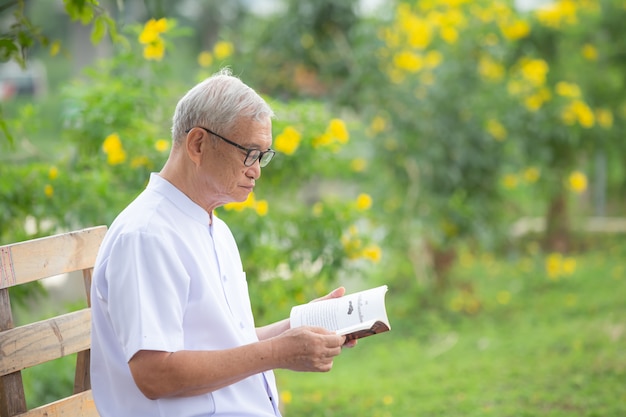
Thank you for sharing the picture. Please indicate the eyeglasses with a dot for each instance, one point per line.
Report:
(252, 155)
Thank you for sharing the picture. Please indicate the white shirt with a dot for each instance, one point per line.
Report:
(166, 279)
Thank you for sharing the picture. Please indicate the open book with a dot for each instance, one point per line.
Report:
(354, 315)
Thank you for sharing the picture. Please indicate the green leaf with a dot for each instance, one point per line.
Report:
(112, 27)
(5, 129)
(25, 39)
(98, 30)
(8, 48)
(79, 10)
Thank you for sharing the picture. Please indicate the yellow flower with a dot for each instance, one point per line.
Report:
(151, 30)
(322, 140)
(387, 400)
(496, 130)
(48, 190)
(112, 143)
(373, 253)
(569, 266)
(534, 71)
(261, 207)
(516, 30)
(162, 145)
(557, 13)
(337, 129)
(116, 157)
(159, 26)
(510, 181)
(112, 147)
(148, 36)
(223, 49)
(378, 124)
(433, 59)
(287, 141)
(205, 59)
(589, 52)
(358, 165)
(363, 202)
(566, 89)
(53, 173)
(577, 182)
(449, 34)
(531, 174)
(408, 61)
(534, 101)
(155, 50)
(286, 397)
(605, 118)
(55, 47)
(418, 31)
(553, 266)
(586, 117)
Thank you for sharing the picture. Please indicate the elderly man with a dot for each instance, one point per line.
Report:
(172, 328)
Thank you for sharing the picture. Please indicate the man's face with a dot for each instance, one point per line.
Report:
(225, 178)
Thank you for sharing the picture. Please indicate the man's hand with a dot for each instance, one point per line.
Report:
(336, 293)
(308, 349)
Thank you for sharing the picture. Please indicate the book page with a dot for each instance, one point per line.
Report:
(345, 312)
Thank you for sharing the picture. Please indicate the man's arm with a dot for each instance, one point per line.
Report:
(185, 373)
(272, 330)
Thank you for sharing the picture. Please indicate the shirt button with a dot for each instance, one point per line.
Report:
(241, 324)
(224, 278)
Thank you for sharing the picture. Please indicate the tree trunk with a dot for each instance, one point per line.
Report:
(557, 232)
(443, 260)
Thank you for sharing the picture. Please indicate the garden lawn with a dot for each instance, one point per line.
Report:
(535, 335)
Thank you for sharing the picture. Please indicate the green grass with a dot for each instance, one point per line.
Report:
(506, 341)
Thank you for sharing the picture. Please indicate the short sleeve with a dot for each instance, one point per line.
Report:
(148, 290)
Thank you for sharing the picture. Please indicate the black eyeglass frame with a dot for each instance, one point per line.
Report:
(251, 153)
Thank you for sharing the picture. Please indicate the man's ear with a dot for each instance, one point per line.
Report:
(195, 145)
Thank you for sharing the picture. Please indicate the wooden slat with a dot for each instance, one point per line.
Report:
(76, 405)
(43, 341)
(82, 379)
(12, 398)
(48, 256)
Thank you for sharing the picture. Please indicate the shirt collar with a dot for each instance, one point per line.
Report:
(162, 186)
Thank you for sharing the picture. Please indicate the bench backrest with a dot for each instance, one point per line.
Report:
(33, 344)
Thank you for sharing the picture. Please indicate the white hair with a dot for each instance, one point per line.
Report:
(217, 103)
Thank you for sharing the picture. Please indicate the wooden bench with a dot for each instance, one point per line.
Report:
(33, 344)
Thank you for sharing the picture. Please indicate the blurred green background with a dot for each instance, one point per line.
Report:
(468, 154)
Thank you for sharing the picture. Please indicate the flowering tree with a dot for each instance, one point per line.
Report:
(565, 80)
(468, 100)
